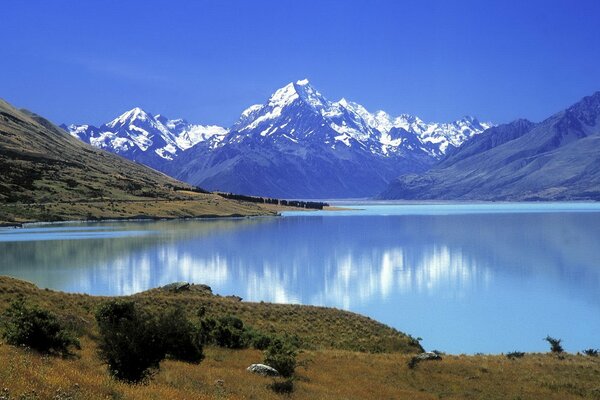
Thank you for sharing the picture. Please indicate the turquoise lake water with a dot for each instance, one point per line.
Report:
(466, 278)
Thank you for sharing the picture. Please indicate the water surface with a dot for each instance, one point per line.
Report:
(465, 277)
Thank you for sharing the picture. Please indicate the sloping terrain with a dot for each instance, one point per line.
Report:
(46, 174)
(556, 159)
(328, 369)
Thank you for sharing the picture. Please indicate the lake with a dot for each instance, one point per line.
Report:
(466, 278)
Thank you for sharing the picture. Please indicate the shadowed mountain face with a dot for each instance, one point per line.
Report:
(556, 159)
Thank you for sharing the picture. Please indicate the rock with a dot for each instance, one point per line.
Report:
(177, 286)
(262, 369)
(428, 355)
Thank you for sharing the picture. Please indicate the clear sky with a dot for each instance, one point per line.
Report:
(88, 61)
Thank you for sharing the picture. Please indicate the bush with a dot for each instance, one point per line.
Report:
(282, 387)
(36, 328)
(181, 339)
(259, 340)
(129, 342)
(133, 343)
(515, 354)
(555, 346)
(227, 331)
(591, 352)
(281, 355)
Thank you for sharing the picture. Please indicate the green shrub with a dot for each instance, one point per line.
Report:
(281, 355)
(36, 328)
(133, 343)
(227, 331)
(129, 341)
(181, 339)
(555, 346)
(515, 354)
(591, 352)
(259, 340)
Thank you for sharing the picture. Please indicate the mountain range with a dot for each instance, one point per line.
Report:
(556, 159)
(297, 144)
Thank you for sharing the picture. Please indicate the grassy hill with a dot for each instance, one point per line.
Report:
(47, 175)
(332, 368)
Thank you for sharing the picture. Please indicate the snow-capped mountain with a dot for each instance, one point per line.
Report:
(300, 144)
(143, 137)
(296, 144)
(437, 137)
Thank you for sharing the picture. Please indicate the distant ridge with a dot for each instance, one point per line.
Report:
(556, 159)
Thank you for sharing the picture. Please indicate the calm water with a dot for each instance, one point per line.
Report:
(465, 278)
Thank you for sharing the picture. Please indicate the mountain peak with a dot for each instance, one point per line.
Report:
(283, 96)
(587, 109)
(297, 90)
(135, 114)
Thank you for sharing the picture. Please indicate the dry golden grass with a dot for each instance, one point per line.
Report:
(329, 372)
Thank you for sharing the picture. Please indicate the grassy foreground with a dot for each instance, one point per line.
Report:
(334, 368)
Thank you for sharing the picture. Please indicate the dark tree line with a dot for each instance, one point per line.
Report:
(317, 205)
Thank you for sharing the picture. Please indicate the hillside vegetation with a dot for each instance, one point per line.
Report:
(48, 175)
(330, 368)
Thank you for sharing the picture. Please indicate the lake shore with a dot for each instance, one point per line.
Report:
(197, 206)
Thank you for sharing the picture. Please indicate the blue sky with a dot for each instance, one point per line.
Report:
(88, 61)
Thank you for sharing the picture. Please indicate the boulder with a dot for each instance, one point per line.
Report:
(262, 369)
(177, 286)
(428, 355)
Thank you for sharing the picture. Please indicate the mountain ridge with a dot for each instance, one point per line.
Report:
(297, 130)
(556, 159)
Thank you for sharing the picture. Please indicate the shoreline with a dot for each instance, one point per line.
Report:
(134, 219)
(271, 211)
